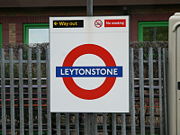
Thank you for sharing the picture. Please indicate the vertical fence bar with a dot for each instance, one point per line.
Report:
(48, 90)
(113, 124)
(123, 124)
(3, 94)
(132, 94)
(77, 123)
(21, 93)
(87, 124)
(92, 123)
(165, 88)
(141, 77)
(151, 90)
(160, 92)
(58, 123)
(91, 118)
(30, 91)
(105, 132)
(12, 92)
(67, 124)
(39, 91)
(95, 124)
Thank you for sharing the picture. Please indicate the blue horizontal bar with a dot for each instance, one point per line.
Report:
(89, 71)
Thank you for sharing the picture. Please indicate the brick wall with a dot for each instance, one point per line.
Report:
(12, 20)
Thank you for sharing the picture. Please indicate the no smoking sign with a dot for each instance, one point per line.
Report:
(98, 23)
(71, 71)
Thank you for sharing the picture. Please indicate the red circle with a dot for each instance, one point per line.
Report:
(107, 84)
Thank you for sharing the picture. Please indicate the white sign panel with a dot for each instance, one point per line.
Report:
(89, 59)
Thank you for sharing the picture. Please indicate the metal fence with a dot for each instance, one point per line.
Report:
(24, 103)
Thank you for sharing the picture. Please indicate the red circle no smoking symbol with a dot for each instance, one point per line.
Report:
(81, 92)
(98, 23)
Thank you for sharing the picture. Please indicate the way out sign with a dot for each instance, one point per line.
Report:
(89, 64)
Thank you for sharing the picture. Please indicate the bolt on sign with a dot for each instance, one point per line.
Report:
(89, 64)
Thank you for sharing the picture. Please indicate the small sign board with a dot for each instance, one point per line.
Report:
(89, 64)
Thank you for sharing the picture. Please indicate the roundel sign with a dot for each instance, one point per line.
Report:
(110, 71)
(89, 66)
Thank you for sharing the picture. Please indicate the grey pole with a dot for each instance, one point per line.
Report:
(89, 116)
(89, 7)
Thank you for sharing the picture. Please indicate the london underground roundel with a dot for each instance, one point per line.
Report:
(110, 71)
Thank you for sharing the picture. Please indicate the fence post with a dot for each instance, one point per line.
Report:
(132, 93)
(151, 91)
(58, 124)
(30, 91)
(39, 91)
(11, 55)
(48, 90)
(3, 93)
(21, 92)
(160, 91)
(105, 132)
(165, 88)
(141, 83)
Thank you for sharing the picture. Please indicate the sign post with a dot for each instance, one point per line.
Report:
(89, 7)
(90, 116)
